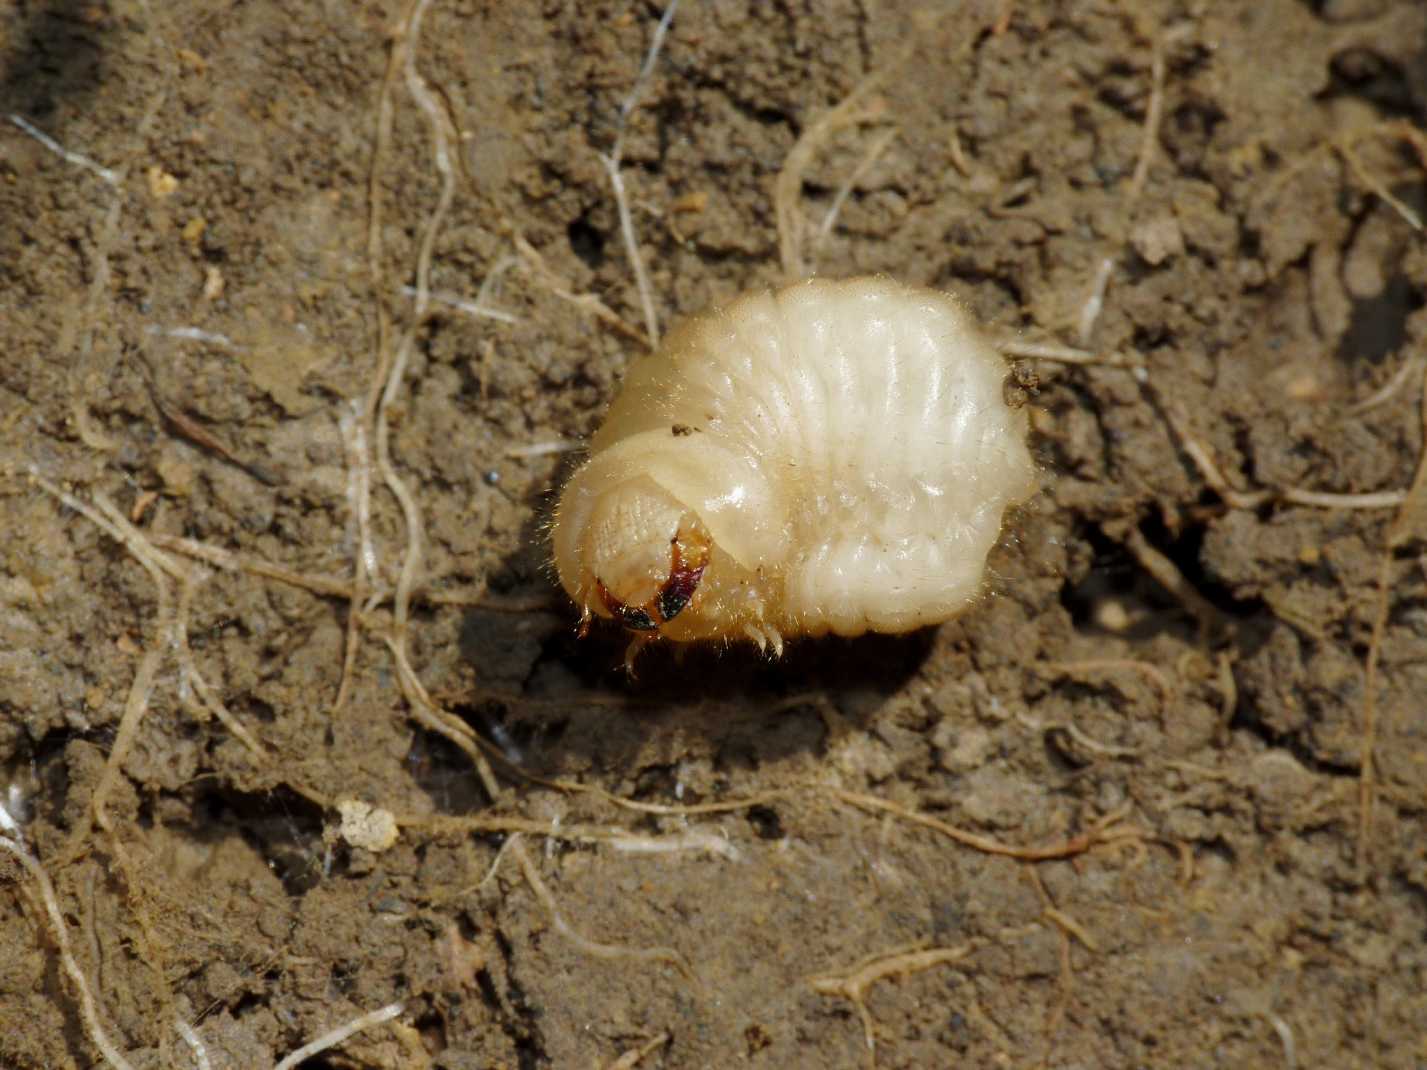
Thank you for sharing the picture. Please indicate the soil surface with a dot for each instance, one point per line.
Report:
(1194, 689)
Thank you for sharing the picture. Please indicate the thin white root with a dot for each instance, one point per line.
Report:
(650, 58)
(1372, 499)
(692, 840)
(342, 1032)
(76, 336)
(1150, 134)
(441, 155)
(1094, 302)
(632, 1058)
(1408, 214)
(171, 633)
(438, 720)
(120, 530)
(108, 174)
(544, 449)
(586, 302)
(359, 489)
(613, 835)
(195, 1043)
(113, 523)
(631, 248)
(190, 679)
(591, 947)
(1285, 1037)
(1399, 379)
(495, 864)
(465, 305)
(353, 426)
(97, 1033)
(1088, 742)
(788, 188)
(410, 511)
(193, 334)
(497, 271)
(621, 200)
(231, 562)
(1238, 499)
(874, 151)
(1012, 347)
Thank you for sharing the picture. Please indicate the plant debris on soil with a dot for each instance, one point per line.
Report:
(307, 310)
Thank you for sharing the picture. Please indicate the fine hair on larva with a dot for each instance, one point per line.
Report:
(831, 457)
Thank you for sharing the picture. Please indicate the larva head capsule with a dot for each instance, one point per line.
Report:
(649, 534)
(646, 555)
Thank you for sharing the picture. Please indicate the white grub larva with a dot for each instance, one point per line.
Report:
(830, 457)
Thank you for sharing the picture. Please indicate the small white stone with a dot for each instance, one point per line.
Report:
(364, 825)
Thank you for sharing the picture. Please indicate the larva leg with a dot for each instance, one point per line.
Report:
(756, 634)
(765, 635)
(637, 643)
(775, 637)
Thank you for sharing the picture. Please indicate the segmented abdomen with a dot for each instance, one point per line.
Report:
(877, 413)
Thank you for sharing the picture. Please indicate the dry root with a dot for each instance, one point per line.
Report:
(856, 108)
(1067, 927)
(593, 948)
(611, 165)
(1102, 666)
(1107, 830)
(335, 1036)
(1167, 574)
(852, 985)
(97, 1033)
(632, 1058)
(1345, 147)
(1063, 354)
(1410, 523)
